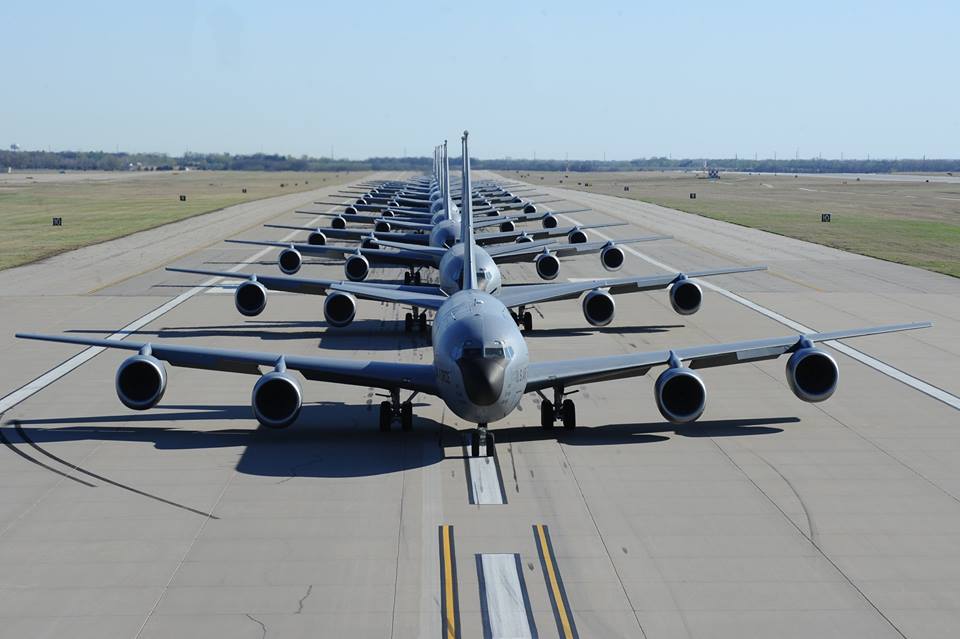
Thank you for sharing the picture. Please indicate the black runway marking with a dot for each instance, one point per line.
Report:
(106, 480)
(9, 444)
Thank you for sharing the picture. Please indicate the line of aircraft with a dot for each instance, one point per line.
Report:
(481, 368)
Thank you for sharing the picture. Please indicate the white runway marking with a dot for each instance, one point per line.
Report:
(485, 486)
(811, 190)
(503, 598)
(12, 399)
(914, 382)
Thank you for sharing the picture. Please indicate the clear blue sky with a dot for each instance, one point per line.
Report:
(628, 79)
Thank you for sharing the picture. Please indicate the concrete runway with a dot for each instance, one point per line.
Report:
(768, 518)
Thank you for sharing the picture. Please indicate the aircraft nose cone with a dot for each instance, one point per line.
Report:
(482, 378)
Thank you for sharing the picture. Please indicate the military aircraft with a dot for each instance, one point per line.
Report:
(481, 368)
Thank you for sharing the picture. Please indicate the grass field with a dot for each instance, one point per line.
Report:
(914, 223)
(102, 206)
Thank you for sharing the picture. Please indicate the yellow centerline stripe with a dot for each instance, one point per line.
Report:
(554, 582)
(451, 629)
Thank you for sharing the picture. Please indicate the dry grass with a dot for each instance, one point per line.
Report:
(103, 206)
(914, 223)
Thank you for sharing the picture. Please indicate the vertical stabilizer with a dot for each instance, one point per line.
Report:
(466, 222)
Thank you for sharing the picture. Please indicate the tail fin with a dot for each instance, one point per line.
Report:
(466, 222)
(445, 181)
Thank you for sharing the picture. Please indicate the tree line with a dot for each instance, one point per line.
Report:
(104, 161)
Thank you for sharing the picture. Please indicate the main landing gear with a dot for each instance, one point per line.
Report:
(481, 439)
(412, 277)
(559, 410)
(396, 411)
(417, 318)
(523, 318)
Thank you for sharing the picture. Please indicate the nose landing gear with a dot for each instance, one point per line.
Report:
(559, 410)
(481, 440)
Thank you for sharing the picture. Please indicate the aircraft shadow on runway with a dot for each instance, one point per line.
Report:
(361, 335)
(602, 330)
(330, 439)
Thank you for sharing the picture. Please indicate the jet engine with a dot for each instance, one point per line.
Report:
(250, 298)
(549, 221)
(276, 399)
(339, 309)
(290, 261)
(317, 238)
(382, 226)
(523, 237)
(356, 268)
(530, 208)
(387, 213)
(612, 257)
(350, 210)
(508, 226)
(577, 236)
(361, 201)
(685, 297)
(812, 374)
(680, 394)
(599, 307)
(141, 381)
(548, 266)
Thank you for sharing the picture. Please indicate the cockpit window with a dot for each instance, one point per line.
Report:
(494, 352)
(472, 352)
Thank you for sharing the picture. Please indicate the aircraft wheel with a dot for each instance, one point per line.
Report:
(408, 322)
(489, 450)
(527, 321)
(569, 410)
(546, 414)
(423, 322)
(416, 278)
(386, 416)
(406, 278)
(475, 443)
(406, 416)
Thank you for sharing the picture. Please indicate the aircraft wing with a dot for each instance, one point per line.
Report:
(588, 370)
(537, 234)
(416, 256)
(386, 375)
(526, 294)
(356, 234)
(309, 286)
(528, 250)
(394, 294)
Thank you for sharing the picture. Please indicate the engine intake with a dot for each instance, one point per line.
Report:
(577, 236)
(530, 209)
(685, 297)
(612, 257)
(141, 382)
(356, 268)
(680, 394)
(548, 266)
(382, 226)
(290, 261)
(812, 374)
(599, 307)
(549, 221)
(339, 309)
(250, 298)
(317, 238)
(276, 400)
(508, 226)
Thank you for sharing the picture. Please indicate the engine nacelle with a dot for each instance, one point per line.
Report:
(387, 213)
(276, 399)
(522, 238)
(530, 208)
(685, 297)
(812, 374)
(356, 268)
(290, 261)
(350, 210)
(680, 395)
(548, 266)
(549, 221)
(317, 238)
(382, 226)
(599, 307)
(339, 309)
(612, 257)
(360, 201)
(508, 226)
(577, 236)
(250, 298)
(141, 381)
